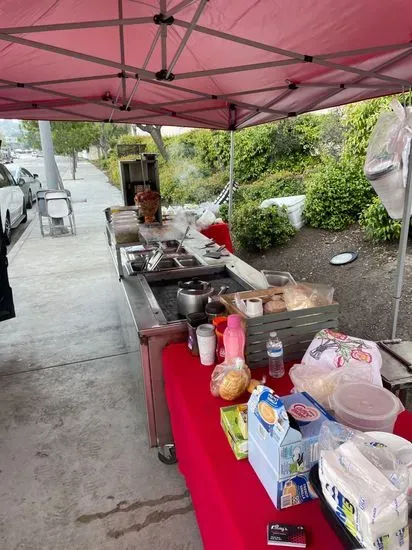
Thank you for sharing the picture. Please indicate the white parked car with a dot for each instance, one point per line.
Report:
(12, 203)
(29, 183)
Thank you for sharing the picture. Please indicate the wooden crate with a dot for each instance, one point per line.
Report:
(295, 328)
(229, 299)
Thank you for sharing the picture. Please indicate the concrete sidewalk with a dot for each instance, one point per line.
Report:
(75, 469)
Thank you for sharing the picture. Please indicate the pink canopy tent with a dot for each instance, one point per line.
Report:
(198, 63)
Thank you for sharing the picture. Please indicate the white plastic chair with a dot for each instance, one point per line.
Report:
(59, 206)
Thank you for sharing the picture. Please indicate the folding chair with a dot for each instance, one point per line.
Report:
(59, 206)
(41, 207)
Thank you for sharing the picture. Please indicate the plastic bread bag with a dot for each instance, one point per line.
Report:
(229, 381)
(307, 295)
(321, 380)
(332, 349)
(365, 486)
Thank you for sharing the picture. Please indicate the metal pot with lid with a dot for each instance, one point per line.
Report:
(192, 296)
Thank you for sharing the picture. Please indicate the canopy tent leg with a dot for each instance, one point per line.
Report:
(53, 178)
(231, 178)
(403, 243)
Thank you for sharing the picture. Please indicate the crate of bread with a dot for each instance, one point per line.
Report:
(295, 327)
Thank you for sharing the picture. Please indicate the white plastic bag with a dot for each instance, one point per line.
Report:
(205, 220)
(365, 486)
(333, 350)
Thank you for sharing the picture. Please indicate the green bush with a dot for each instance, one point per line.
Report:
(261, 228)
(336, 194)
(113, 171)
(224, 212)
(283, 184)
(377, 224)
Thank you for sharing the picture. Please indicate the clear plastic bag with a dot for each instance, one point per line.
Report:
(307, 295)
(230, 381)
(332, 435)
(387, 157)
(366, 487)
(322, 381)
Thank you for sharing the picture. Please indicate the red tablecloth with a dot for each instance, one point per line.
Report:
(232, 507)
(220, 233)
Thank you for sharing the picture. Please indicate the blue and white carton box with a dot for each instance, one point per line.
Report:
(283, 443)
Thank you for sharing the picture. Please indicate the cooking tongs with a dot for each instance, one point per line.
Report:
(153, 260)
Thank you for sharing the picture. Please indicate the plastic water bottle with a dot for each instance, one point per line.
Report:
(274, 348)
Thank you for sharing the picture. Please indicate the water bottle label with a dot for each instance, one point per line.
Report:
(275, 352)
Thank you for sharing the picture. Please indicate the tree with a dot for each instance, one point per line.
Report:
(71, 137)
(30, 134)
(332, 133)
(155, 130)
(109, 134)
(360, 119)
(68, 137)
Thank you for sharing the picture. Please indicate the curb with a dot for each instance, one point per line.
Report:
(26, 233)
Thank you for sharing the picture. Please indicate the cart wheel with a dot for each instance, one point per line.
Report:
(167, 455)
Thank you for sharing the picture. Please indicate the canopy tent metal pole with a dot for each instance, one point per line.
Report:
(403, 243)
(186, 37)
(76, 26)
(122, 51)
(231, 177)
(53, 178)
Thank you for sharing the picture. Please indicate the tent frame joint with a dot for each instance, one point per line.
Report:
(164, 75)
(162, 19)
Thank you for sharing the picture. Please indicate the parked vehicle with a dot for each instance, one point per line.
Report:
(29, 183)
(12, 203)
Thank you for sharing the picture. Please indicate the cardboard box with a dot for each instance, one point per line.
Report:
(229, 422)
(242, 419)
(283, 443)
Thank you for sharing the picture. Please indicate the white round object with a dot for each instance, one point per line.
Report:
(365, 406)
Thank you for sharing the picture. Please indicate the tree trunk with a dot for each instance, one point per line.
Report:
(156, 132)
(74, 164)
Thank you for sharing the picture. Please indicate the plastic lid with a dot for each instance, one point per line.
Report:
(363, 401)
(273, 334)
(205, 330)
(234, 321)
(215, 308)
(217, 320)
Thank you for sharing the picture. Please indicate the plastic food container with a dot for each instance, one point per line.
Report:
(366, 407)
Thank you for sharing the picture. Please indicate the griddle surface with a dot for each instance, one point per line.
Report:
(165, 292)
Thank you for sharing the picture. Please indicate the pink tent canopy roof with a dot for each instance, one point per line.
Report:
(198, 63)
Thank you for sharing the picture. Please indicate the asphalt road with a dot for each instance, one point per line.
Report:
(36, 166)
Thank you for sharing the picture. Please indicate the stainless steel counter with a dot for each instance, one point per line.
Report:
(154, 331)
